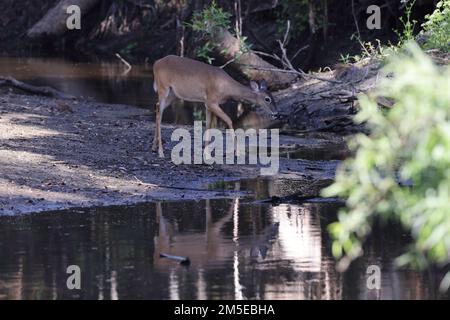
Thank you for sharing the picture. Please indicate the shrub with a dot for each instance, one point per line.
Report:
(437, 26)
(206, 23)
(401, 170)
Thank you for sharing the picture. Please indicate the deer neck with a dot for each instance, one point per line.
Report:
(241, 92)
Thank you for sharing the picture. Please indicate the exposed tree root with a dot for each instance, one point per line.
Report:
(44, 91)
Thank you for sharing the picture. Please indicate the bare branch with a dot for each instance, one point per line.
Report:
(355, 19)
(228, 62)
(125, 62)
(299, 50)
(286, 34)
(273, 56)
(285, 61)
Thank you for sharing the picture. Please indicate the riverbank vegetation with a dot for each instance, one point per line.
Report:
(401, 169)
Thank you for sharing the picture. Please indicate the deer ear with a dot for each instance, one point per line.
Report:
(254, 86)
(263, 85)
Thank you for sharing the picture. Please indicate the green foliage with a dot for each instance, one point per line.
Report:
(211, 18)
(407, 34)
(401, 171)
(345, 58)
(371, 50)
(206, 22)
(205, 51)
(437, 25)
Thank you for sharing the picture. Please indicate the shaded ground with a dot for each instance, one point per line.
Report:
(57, 154)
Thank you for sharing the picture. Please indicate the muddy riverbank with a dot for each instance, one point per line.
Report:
(57, 154)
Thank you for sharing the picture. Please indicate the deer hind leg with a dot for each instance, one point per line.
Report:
(165, 98)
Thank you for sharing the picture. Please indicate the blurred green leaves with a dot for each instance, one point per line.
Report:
(401, 170)
(437, 25)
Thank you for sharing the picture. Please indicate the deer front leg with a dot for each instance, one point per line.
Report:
(215, 109)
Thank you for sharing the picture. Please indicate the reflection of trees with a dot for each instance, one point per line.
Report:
(235, 251)
(110, 245)
(296, 267)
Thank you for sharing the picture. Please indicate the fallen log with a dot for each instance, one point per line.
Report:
(248, 63)
(327, 101)
(44, 91)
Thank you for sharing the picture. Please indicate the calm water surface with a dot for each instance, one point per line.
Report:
(237, 250)
(103, 82)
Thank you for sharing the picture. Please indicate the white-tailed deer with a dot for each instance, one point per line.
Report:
(191, 80)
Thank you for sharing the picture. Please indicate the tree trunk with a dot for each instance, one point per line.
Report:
(248, 63)
(53, 24)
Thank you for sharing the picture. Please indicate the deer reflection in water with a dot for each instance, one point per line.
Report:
(286, 238)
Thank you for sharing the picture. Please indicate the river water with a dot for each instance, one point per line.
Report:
(238, 248)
